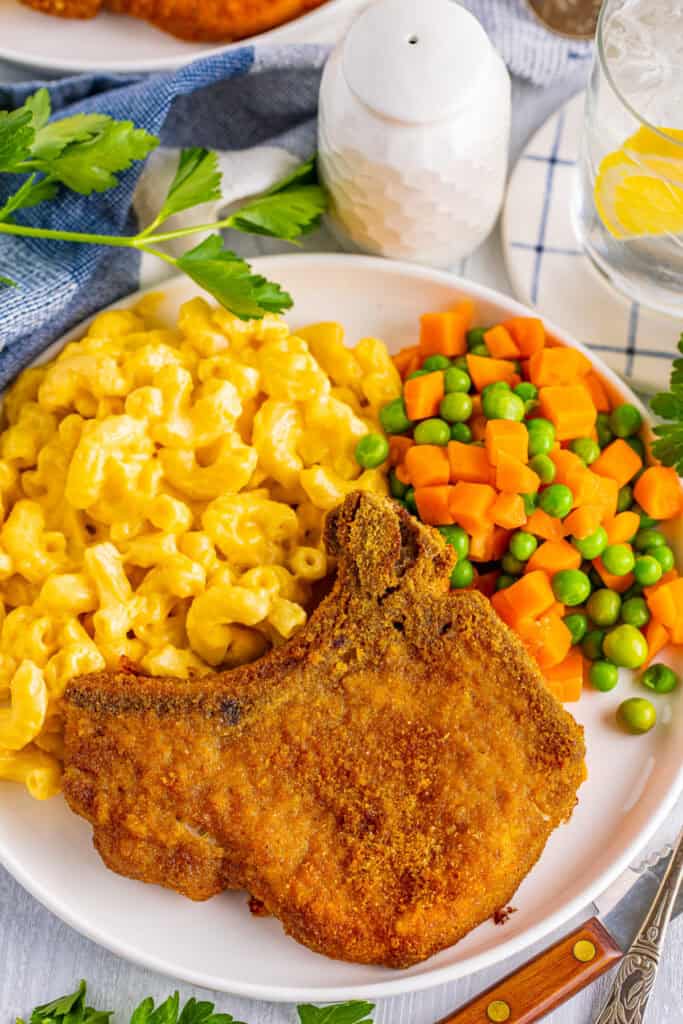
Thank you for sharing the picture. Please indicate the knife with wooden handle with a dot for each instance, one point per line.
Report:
(558, 973)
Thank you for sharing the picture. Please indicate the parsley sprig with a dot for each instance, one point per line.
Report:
(86, 153)
(72, 1009)
(668, 405)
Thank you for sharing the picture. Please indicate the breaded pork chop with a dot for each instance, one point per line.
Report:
(382, 783)
(195, 20)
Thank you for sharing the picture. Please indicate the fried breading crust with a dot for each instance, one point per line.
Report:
(382, 783)
(194, 20)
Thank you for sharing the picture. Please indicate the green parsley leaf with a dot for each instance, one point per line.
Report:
(202, 1013)
(197, 180)
(52, 139)
(668, 405)
(90, 165)
(16, 136)
(354, 1012)
(230, 280)
(292, 207)
(30, 193)
(7, 282)
(61, 1006)
(40, 107)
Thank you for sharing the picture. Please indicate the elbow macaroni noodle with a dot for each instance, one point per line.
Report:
(162, 498)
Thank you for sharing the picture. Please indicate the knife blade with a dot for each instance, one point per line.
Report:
(558, 973)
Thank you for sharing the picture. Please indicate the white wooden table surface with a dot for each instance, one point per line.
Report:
(40, 957)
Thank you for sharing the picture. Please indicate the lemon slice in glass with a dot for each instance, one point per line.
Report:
(639, 187)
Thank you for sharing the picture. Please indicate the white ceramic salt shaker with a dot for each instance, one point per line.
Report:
(414, 126)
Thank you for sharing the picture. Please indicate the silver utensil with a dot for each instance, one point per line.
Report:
(637, 971)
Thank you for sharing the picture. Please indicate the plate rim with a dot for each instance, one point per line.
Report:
(289, 32)
(396, 983)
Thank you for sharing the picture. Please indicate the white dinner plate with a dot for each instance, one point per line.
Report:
(633, 780)
(116, 42)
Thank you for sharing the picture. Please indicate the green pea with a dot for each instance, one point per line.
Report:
(502, 404)
(526, 391)
(603, 607)
(475, 336)
(637, 714)
(659, 678)
(664, 556)
(541, 436)
(456, 380)
(625, 420)
(394, 418)
(593, 545)
(417, 373)
(646, 539)
(604, 675)
(618, 559)
(522, 545)
(646, 521)
(409, 498)
(460, 363)
(511, 565)
(437, 362)
(592, 644)
(647, 570)
(432, 431)
(571, 587)
(462, 574)
(461, 432)
(544, 468)
(624, 498)
(603, 430)
(556, 500)
(586, 448)
(496, 385)
(530, 503)
(577, 624)
(371, 451)
(397, 487)
(456, 407)
(626, 646)
(504, 581)
(457, 538)
(638, 448)
(635, 612)
(480, 350)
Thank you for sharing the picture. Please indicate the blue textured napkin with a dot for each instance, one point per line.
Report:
(257, 108)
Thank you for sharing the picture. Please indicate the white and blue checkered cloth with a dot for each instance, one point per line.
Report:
(256, 107)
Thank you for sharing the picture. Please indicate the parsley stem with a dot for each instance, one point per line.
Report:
(124, 241)
(167, 236)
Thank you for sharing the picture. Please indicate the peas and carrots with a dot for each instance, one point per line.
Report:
(523, 461)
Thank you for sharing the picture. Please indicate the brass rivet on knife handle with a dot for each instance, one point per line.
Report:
(546, 981)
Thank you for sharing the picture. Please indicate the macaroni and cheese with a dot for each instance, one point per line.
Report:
(162, 496)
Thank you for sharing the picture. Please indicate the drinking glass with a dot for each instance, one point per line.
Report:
(628, 201)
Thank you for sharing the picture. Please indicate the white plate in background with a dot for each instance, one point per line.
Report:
(633, 781)
(117, 42)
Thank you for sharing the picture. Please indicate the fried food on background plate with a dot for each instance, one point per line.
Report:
(194, 20)
(382, 782)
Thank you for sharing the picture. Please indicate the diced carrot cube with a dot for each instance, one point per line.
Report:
(666, 603)
(531, 596)
(622, 528)
(402, 474)
(553, 556)
(478, 427)
(604, 494)
(485, 583)
(427, 465)
(433, 505)
(528, 332)
(500, 343)
(514, 476)
(547, 639)
(398, 446)
(565, 680)
(618, 583)
(569, 408)
(658, 492)
(542, 525)
(484, 370)
(618, 461)
(444, 333)
(509, 437)
(597, 391)
(508, 511)
(422, 395)
(567, 465)
(404, 360)
(561, 366)
(657, 636)
(470, 504)
(469, 462)
(583, 521)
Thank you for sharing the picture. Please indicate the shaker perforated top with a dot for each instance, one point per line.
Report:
(415, 60)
